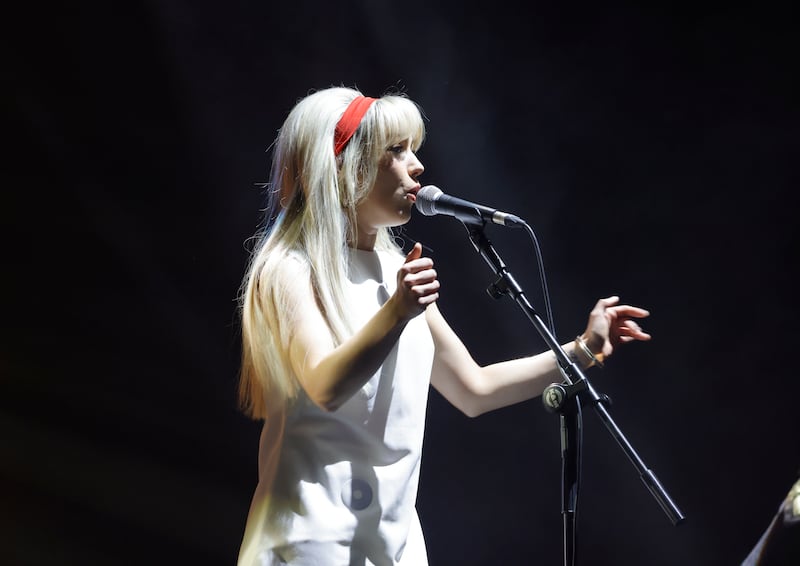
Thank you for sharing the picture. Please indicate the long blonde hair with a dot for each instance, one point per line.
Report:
(311, 214)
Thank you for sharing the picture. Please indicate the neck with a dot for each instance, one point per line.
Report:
(366, 240)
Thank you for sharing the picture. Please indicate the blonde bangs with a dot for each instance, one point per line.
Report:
(396, 118)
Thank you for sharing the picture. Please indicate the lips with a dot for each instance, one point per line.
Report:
(412, 194)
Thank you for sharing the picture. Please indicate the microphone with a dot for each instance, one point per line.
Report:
(431, 201)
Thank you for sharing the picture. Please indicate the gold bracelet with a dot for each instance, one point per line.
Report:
(596, 360)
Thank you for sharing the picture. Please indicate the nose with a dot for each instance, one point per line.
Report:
(415, 167)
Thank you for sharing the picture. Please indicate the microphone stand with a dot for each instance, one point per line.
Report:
(565, 399)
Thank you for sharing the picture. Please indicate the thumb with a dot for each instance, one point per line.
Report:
(415, 253)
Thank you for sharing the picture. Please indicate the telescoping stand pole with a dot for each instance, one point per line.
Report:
(566, 400)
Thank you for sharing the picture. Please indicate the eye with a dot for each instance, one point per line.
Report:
(400, 146)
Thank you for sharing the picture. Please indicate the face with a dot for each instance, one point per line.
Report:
(392, 197)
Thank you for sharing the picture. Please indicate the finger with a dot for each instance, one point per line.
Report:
(415, 253)
(604, 304)
(609, 301)
(426, 289)
(421, 277)
(417, 265)
(629, 311)
(631, 329)
(428, 299)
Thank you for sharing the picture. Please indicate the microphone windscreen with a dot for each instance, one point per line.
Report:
(426, 199)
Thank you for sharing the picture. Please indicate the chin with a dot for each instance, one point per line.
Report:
(400, 219)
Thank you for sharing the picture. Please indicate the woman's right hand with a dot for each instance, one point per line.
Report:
(417, 285)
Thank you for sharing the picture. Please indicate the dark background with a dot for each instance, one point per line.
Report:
(653, 150)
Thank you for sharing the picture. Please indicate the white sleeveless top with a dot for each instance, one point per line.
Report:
(350, 476)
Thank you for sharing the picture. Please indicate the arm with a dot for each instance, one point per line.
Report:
(331, 375)
(475, 390)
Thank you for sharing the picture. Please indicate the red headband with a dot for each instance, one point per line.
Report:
(349, 122)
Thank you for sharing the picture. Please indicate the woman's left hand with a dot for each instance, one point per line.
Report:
(611, 324)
